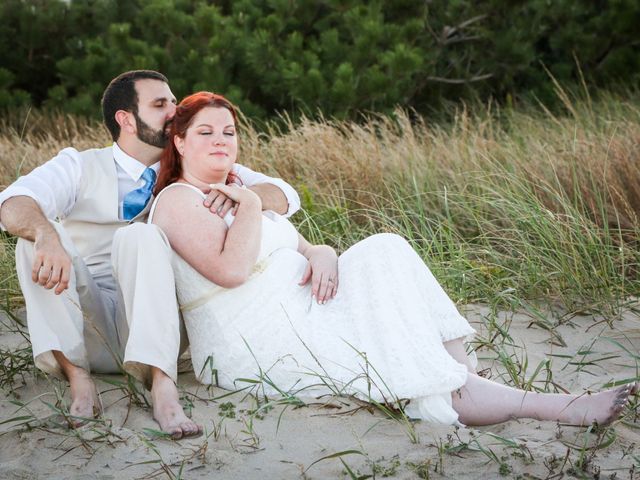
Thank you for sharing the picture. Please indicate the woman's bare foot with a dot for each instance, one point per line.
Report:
(602, 408)
(167, 410)
(484, 402)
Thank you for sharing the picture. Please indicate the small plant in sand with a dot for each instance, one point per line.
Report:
(340, 456)
(16, 364)
(421, 469)
(227, 410)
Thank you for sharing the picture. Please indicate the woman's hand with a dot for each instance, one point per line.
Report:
(322, 270)
(223, 198)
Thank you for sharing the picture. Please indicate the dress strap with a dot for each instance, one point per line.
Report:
(177, 184)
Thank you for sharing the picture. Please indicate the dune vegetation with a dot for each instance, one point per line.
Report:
(501, 203)
(530, 213)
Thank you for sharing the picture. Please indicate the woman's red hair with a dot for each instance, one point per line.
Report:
(170, 161)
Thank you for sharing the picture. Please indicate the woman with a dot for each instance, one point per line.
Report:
(259, 300)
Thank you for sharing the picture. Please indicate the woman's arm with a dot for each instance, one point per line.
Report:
(225, 256)
(322, 269)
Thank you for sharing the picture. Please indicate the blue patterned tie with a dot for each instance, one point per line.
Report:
(136, 200)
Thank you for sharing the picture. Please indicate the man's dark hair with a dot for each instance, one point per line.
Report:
(121, 94)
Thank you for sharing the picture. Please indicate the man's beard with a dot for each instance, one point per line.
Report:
(146, 134)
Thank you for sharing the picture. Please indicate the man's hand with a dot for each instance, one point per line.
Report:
(51, 263)
(322, 270)
(219, 203)
(272, 198)
(22, 216)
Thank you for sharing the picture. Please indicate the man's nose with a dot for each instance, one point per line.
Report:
(171, 111)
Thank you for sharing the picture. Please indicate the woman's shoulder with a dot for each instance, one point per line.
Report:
(177, 197)
(180, 190)
(179, 193)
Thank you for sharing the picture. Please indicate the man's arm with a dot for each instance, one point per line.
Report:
(279, 195)
(26, 206)
(275, 193)
(22, 216)
(53, 185)
(272, 197)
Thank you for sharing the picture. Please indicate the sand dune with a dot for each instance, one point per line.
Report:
(284, 441)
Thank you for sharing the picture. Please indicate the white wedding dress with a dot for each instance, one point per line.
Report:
(379, 339)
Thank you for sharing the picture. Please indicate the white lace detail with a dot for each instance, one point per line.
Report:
(381, 338)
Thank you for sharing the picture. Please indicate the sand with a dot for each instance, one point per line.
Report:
(335, 437)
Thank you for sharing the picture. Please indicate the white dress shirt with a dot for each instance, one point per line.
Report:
(54, 185)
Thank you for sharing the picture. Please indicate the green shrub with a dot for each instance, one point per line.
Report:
(340, 58)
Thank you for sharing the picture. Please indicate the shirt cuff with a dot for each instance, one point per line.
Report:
(11, 192)
(293, 199)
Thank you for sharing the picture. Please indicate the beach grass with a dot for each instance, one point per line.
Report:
(540, 207)
(496, 200)
(519, 209)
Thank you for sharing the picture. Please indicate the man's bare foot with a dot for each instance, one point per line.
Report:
(602, 408)
(167, 410)
(85, 401)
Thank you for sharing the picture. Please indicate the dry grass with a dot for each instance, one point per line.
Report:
(29, 139)
(523, 200)
(583, 161)
(495, 200)
(505, 206)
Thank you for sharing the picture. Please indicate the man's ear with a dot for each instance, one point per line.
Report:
(126, 121)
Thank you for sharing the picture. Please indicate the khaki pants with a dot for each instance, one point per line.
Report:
(126, 317)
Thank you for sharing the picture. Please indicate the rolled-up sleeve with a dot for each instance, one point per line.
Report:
(53, 185)
(249, 178)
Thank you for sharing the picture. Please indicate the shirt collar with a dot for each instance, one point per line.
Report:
(130, 165)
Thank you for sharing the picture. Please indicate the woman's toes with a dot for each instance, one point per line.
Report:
(622, 393)
(623, 398)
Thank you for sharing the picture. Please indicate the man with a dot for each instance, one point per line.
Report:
(96, 279)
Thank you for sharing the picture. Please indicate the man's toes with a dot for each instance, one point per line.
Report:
(80, 416)
(76, 423)
(190, 429)
(176, 433)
